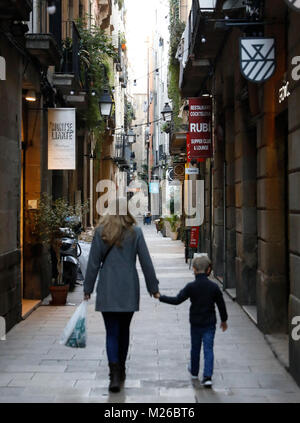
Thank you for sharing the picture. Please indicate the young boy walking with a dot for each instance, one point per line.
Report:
(203, 294)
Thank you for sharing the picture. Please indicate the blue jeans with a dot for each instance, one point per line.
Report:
(117, 335)
(207, 335)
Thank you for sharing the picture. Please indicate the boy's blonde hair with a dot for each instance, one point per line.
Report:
(201, 264)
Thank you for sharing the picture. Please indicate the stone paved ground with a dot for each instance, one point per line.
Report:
(34, 367)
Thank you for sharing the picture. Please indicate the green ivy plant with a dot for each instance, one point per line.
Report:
(174, 221)
(120, 3)
(176, 29)
(165, 127)
(96, 55)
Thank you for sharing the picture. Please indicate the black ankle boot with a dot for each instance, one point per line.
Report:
(114, 375)
(122, 371)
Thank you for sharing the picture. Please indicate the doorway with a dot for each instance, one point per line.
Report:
(28, 304)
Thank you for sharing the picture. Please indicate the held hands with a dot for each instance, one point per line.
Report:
(86, 297)
(224, 326)
(157, 295)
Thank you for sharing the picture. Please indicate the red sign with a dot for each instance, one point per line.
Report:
(200, 128)
(194, 237)
(188, 150)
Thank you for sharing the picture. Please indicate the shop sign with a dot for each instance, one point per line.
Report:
(194, 237)
(61, 139)
(199, 139)
(2, 69)
(2, 329)
(294, 4)
(170, 174)
(284, 92)
(188, 150)
(192, 171)
(257, 58)
(154, 187)
(179, 171)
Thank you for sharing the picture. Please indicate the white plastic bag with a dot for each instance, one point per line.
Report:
(84, 257)
(74, 334)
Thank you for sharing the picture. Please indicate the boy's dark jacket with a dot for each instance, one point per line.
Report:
(204, 294)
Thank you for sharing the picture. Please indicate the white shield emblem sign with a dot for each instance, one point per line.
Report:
(258, 62)
(294, 4)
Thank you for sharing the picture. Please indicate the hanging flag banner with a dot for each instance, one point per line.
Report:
(61, 139)
(294, 4)
(257, 58)
(199, 139)
(194, 237)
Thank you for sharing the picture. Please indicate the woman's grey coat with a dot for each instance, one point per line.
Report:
(118, 286)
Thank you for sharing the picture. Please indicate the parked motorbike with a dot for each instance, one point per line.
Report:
(70, 251)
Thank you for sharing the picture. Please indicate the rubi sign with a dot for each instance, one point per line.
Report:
(199, 139)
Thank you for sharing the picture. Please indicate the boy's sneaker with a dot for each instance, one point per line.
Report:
(207, 382)
(190, 370)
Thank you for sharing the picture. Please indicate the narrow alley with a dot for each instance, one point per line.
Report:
(34, 367)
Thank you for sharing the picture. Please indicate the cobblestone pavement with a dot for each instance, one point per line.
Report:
(34, 367)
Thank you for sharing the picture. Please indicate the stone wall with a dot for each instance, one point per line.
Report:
(10, 171)
(272, 275)
(294, 193)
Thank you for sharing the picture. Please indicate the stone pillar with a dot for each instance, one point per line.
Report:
(272, 276)
(208, 205)
(294, 195)
(218, 185)
(230, 199)
(245, 196)
(10, 177)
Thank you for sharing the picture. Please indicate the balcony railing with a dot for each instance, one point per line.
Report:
(41, 41)
(71, 49)
(122, 151)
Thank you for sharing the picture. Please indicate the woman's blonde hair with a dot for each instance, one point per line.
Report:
(115, 226)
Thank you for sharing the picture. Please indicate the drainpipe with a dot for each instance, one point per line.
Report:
(211, 208)
(85, 176)
(91, 185)
(225, 225)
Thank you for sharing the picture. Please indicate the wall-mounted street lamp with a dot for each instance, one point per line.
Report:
(131, 137)
(30, 96)
(105, 104)
(167, 113)
(51, 8)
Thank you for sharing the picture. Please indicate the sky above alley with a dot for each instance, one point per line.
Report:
(140, 24)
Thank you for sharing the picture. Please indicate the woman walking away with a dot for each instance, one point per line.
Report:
(116, 243)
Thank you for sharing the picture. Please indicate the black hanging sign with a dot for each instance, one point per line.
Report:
(294, 4)
(257, 58)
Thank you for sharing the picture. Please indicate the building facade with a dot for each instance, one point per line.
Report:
(251, 226)
(41, 68)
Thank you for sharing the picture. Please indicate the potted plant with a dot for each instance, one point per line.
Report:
(174, 222)
(165, 127)
(159, 224)
(49, 217)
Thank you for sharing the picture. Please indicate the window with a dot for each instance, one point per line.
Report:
(71, 10)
